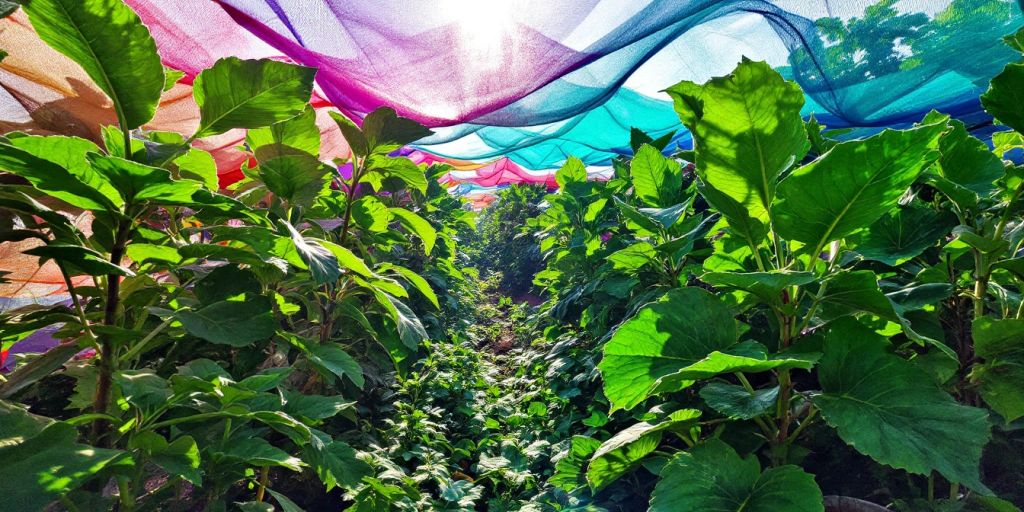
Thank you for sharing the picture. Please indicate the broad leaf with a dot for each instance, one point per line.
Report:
(736, 402)
(256, 451)
(78, 260)
(712, 476)
(296, 179)
(1001, 377)
(336, 464)
(237, 93)
(1005, 97)
(137, 183)
(235, 323)
(573, 171)
(901, 234)
(628, 448)
(767, 286)
(386, 131)
(79, 191)
(43, 460)
(180, 457)
(418, 226)
(747, 130)
(383, 171)
(657, 179)
(852, 185)
(889, 409)
(410, 329)
(319, 259)
(112, 45)
(296, 136)
(967, 161)
(680, 329)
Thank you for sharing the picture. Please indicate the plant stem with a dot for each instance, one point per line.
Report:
(349, 196)
(106, 353)
(262, 489)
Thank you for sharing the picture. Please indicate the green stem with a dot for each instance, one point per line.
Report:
(137, 349)
(262, 489)
(106, 353)
(186, 419)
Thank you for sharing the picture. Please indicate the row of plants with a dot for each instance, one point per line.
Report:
(219, 349)
(777, 320)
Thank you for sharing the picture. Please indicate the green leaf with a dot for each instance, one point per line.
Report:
(329, 359)
(416, 280)
(180, 457)
(256, 451)
(336, 464)
(657, 179)
(315, 407)
(287, 505)
(353, 135)
(747, 130)
(40, 465)
(319, 258)
(572, 171)
(171, 77)
(298, 135)
(78, 260)
(853, 185)
(712, 476)
(626, 450)
(347, 259)
(224, 282)
(902, 234)
(112, 45)
(736, 402)
(1006, 141)
(632, 258)
(1001, 376)
(87, 191)
(967, 161)
(410, 330)
(680, 329)
(237, 93)
(417, 225)
(767, 286)
(137, 183)
(386, 131)
(569, 468)
(891, 410)
(1005, 97)
(149, 253)
(235, 323)
(297, 179)
(142, 388)
(382, 170)
(747, 357)
(371, 214)
(70, 153)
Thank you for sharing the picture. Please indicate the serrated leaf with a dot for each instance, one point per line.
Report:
(386, 131)
(657, 179)
(901, 234)
(736, 402)
(712, 476)
(852, 185)
(767, 286)
(892, 411)
(626, 450)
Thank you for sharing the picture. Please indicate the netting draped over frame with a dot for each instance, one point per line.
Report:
(537, 81)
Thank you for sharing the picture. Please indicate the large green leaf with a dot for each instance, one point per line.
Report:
(713, 477)
(1001, 377)
(88, 193)
(967, 161)
(42, 460)
(573, 171)
(680, 329)
(296, 136)
(336, 463)
(297, 179)
(891, 410)
(410, 329)
(657, 179)
(747, 130)
(256, 451)
(322, 263)
(418, 226)
(852, 185)
(1005, 97)
(767, 286)
(112, 45)
(627, 449)
(384, 173)
(569, 468)
(180, 457)
(138, 183)
(902, 234)
(329, 359)
(237, 93)
(386, 131)
(237, 323)
(78, 260)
